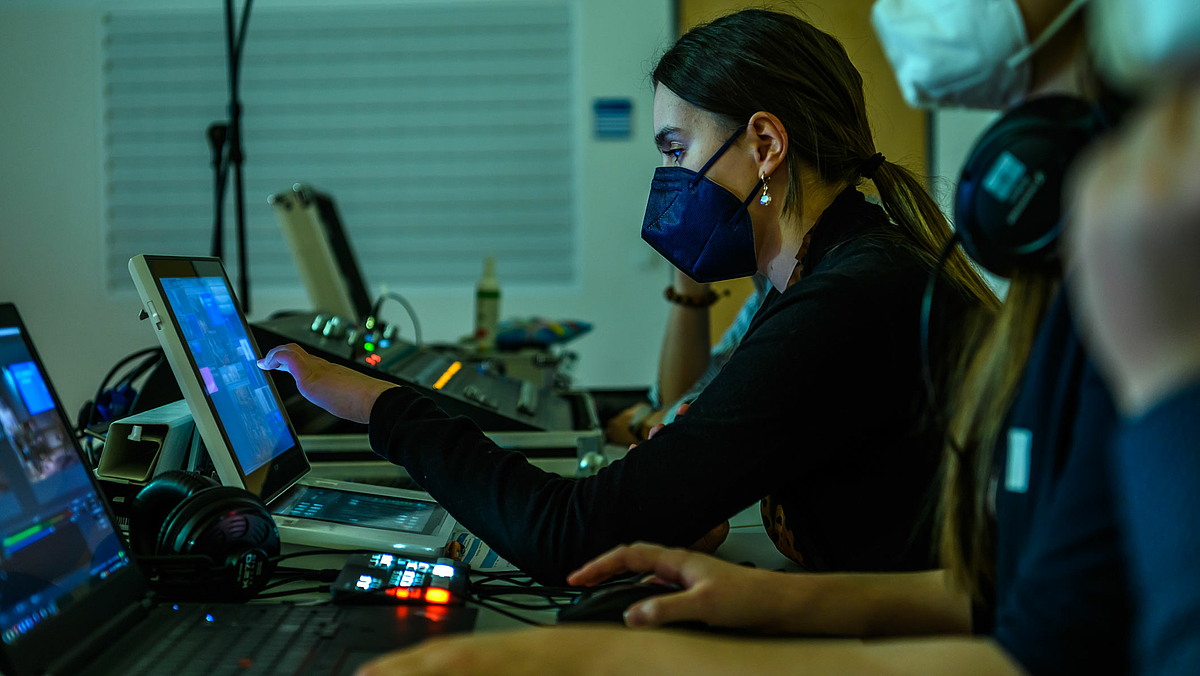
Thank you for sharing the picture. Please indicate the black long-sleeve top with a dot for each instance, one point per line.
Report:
(819, 403)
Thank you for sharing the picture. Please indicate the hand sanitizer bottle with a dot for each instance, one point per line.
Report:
(487, 306)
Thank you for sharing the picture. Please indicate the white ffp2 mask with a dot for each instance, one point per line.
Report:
(960, 53)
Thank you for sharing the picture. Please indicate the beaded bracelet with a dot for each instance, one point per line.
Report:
(693, 301)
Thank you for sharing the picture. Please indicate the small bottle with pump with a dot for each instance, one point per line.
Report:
(487, 306)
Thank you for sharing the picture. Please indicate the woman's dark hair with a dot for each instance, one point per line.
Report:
(758, 60)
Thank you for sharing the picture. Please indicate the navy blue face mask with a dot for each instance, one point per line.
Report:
(702, 228)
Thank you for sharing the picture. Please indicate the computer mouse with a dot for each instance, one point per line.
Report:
(609, 603)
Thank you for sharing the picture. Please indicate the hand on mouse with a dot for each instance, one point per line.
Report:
(343, 392)
(715, 592)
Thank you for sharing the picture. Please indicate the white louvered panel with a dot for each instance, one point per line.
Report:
(443, 131)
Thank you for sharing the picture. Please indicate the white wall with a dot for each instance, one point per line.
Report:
(954, 134)
(51, 200)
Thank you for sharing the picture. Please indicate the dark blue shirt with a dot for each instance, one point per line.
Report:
(1061, 603)
(1158, 488)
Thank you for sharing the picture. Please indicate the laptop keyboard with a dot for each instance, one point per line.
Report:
(247, 640)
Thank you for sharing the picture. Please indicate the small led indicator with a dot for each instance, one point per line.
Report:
(441, 382)
(437, 595)
(209, 617)
(369, 347)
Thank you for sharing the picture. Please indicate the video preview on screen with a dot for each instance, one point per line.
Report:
(31, 425)
(55, 538)
(216, 337)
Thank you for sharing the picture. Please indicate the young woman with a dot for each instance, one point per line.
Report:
(1137, 290)
(761, 123)
(1034, 565)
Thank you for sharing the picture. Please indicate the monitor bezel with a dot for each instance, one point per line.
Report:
(124, 588)
(285, 469)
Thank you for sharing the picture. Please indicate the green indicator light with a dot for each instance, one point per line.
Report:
(369, 347)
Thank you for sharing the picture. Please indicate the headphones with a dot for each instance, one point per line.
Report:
(200, 540)
(1008, 206)
(1008, 210)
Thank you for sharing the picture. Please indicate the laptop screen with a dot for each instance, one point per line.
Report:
(57, 543)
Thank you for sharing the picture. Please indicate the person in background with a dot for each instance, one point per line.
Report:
(1035, 579)
(1135, 244)
(688, 361)
(761, 123)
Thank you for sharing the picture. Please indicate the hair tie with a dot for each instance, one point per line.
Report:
(870, 165)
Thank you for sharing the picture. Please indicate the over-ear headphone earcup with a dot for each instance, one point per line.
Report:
(1008, 203)
(152, 505)
(234, 529)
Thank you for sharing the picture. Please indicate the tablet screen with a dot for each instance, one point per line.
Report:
(361, 509)
(216, 338)
(212, 352)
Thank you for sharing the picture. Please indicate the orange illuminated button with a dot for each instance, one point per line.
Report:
(437, 595)
(445, 378)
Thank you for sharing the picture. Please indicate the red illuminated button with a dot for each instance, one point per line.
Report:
(437, 595)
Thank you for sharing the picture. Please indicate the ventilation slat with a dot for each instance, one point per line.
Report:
(444, 132)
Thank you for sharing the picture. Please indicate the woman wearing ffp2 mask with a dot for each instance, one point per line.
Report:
(761, 123)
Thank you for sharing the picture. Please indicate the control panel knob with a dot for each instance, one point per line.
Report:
(333, 328)
(318, 323)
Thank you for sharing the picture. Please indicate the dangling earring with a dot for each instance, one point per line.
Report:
(766, 196)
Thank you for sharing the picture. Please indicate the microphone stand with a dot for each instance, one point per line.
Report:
(226, 140)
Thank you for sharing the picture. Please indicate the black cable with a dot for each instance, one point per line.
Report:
(108, 376)
(310, 571)
(521, 605)
(553, 592)
(241, 37)
(515, 576)
(525, 606)
(288, 576)
(318, 552)
(310, 590)
(926, 318)
(526, 620)
(412, 314)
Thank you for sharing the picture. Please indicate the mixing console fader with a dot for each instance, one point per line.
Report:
(461, 383)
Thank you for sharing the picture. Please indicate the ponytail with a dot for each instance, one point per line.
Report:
(921, 222)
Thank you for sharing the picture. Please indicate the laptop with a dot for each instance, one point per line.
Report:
(245, 427)
(73, 599)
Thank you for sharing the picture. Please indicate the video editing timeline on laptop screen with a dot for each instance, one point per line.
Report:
(215, 336)
(56, 541)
